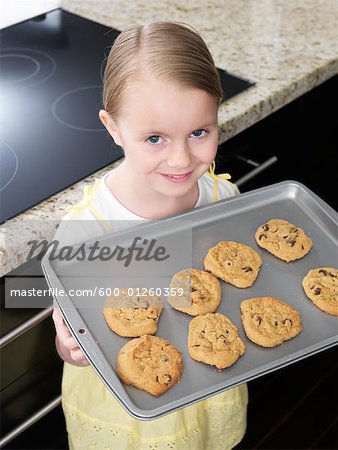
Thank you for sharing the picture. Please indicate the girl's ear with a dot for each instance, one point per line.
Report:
(111, 126)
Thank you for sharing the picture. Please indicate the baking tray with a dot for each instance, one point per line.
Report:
(233, 219)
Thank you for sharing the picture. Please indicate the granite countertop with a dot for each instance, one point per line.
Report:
(286, 46)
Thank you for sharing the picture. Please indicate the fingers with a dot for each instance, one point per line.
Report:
(78, 357)
(66, 345)
(60, 326)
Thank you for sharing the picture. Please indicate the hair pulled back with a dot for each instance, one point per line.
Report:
(171, 52)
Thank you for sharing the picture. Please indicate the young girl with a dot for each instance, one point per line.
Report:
(161, 97)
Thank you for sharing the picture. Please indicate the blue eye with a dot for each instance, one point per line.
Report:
(199, 133)
(155, 139)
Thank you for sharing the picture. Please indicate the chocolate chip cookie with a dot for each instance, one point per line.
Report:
(132, 315)
(201, 292)
(283, 239)
(213, 339)
(268, 321)
(149, 363)
(233, 262)
(321, 286)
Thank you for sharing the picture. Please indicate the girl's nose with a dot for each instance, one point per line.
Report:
(179, 156)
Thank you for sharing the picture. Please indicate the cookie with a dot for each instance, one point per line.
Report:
(201, 292)
(132, 315)
(268, 322)
(213, 339)
(233, 262)
(321, 286)
(283, 239)
(149, 363)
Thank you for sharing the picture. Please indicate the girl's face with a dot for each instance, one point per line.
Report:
(169, 135)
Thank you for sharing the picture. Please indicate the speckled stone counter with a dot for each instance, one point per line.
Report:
(287, 47)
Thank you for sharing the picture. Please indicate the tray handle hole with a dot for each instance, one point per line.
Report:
(82, 331)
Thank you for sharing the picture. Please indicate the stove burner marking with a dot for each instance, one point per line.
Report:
(43, 62)
(58, 105)
(16, 55)
(12, 153)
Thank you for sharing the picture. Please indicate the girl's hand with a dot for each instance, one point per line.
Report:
(66, 345)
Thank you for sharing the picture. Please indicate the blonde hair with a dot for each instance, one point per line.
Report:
(172, 52)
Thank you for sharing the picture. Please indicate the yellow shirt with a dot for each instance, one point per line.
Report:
(95, 419)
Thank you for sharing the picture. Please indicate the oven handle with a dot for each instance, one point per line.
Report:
(30, 421)
(258, 168)
(21, 329)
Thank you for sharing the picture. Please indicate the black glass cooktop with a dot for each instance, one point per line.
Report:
(50, 91)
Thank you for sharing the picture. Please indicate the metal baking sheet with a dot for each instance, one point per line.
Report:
(233, 219)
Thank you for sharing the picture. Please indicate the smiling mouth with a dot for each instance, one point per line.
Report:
(177, 178)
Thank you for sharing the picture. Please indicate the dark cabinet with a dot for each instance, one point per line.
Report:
(303, 135)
